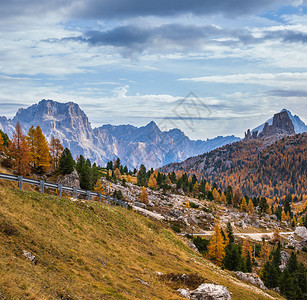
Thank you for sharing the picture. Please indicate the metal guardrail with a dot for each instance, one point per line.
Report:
(60, 188)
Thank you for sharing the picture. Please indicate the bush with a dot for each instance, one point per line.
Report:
(176, 228)
(201, 244)
(193, 205)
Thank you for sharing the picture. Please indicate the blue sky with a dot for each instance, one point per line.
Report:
(207, 67)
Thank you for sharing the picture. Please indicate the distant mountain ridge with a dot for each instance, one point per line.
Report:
(146, 145)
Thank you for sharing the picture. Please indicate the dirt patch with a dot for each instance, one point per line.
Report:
(177, 281)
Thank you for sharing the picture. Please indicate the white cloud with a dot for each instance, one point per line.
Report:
(281, 80)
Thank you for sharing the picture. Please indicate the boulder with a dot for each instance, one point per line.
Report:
(70, 180)
(251, 278)
(284, 256)
(210, 291)
(175, 213)
(301, 231)
(273, 217)
(29, 256)
(184, 293)
(140, 204)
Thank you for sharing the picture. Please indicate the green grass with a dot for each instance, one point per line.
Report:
(92, 251)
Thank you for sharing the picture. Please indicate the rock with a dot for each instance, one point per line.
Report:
(301, 231)
(210, 291)
(251, 278)
(70, 180)
(140, 204)
(143, 282)
(29, 256)
(284, 256)
(256, 224)
(266, 216)
(184, 293)
(273, 217)
(175, 213)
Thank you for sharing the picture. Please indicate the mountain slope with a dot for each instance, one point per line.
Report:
(94, 251)
(134, 146)
(273, 164)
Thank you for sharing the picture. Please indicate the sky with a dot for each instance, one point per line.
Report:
(206, 67)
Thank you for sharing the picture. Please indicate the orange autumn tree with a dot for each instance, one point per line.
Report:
(56, 149)
(216, 248)
(19, 152)
(247, 249)
(39, 150)
(1, 143)
(250, 207)
(152, 182)
(144, 195)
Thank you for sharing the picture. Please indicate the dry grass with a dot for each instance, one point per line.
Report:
(93, 251)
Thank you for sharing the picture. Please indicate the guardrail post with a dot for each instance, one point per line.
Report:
(76, 192)
(100, 197)
(42, 184)
(20, 182)
(60, 189)
(108, 198)
(115, 201)
(88, 195)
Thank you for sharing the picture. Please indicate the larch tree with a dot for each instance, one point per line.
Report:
(39, 150)
(250, 207)
(265, 252)
(117, 174)
(144, 195)
(56, 149)
(247, 249)
(216, 247)
(129, 179)
(1, 143)
(243, 205)
(19, 152)
(42, 149)
(152, 182)
(276, 236)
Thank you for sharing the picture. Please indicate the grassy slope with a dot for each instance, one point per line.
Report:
(71, 239)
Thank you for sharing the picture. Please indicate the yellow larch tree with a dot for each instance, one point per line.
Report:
(117, 174)
(223, 198)
(129, 179)
(56, 149)
(265, 252)
(276, 236)
(247, 249)
(1, 143)
(250, 207)
(216, 247)
(19, 152)
(243, 206)
(144, 195)
(152, 182)
(207, 187)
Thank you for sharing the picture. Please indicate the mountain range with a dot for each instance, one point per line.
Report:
(146, 145)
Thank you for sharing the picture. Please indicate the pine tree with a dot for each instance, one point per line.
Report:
(233, 260)
(141, 176)
(144, 195)
(248, 264)
(19, 152)
(216, 248)
(66, 162)
(230, 233)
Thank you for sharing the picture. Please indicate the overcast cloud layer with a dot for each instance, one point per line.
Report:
(134, 61)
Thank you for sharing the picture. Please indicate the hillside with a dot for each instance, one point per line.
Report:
(256, 167)
(134, 146)
(89, 250)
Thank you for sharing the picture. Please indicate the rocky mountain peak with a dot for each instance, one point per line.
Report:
(282, 125)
